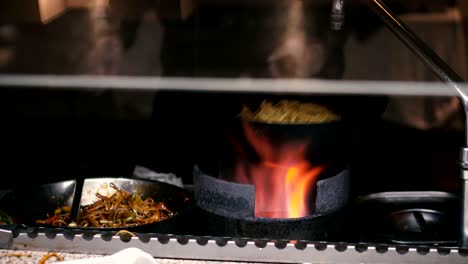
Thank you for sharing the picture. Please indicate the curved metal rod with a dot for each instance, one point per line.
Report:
(419, 48)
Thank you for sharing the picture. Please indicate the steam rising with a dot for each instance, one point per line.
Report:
(296, 56)
(105, 47)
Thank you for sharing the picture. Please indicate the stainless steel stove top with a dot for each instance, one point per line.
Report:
(394, 234)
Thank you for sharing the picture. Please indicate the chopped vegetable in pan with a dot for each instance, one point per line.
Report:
(5, 219)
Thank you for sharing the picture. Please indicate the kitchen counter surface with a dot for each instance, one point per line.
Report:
(33, 257)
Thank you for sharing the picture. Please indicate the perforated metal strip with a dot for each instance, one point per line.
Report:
(226, 249)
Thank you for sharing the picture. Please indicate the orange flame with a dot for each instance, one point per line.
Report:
(284, 180)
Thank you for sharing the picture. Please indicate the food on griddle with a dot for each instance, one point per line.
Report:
(123, 231)
(49, 255)
(61, 217)
(121, 209)
(290, 112)
(18, 255)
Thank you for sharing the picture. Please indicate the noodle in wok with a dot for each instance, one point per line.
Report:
(121, 209)
(290, 112)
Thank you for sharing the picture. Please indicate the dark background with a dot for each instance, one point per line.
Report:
(54, 135)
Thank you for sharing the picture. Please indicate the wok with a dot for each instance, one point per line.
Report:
(28, 204)
(326, 144)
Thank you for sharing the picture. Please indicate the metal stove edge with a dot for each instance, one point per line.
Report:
(224, 248)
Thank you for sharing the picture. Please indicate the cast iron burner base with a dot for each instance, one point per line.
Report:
(328, 227)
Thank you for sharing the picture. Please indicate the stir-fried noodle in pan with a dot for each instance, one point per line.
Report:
(121, 209)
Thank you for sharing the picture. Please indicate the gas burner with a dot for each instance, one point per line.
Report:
(422, 218)
(228, 208)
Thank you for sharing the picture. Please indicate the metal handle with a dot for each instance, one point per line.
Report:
(437, 65)
(464, 206)
(337, 15)
(464, 222)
